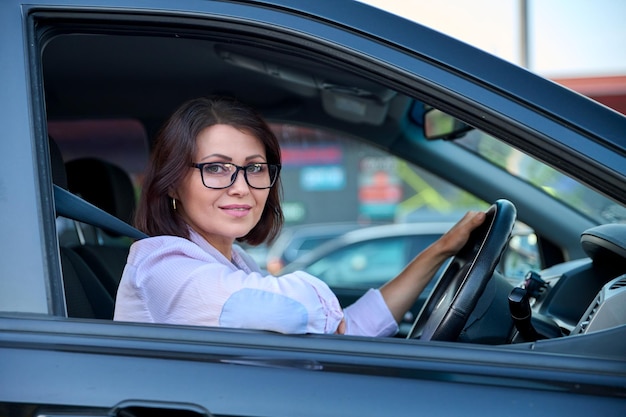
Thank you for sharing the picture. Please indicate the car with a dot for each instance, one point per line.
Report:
(293, 242)
(380, 119)
(368, 257)
(296, 241)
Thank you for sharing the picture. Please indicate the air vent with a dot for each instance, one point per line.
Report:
(620, 283)
(607, 310)
(589, 314)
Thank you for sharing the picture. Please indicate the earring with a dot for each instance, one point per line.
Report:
(174, 204)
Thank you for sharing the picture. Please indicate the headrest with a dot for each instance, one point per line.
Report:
(59, 177)
(104, 185)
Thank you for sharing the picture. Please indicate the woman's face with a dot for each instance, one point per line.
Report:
(222, 215)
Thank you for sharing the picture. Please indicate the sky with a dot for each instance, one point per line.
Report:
(566, 38)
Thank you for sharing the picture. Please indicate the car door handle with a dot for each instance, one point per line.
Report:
(133, 408)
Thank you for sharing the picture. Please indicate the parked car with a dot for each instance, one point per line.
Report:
(377, 116)
(296, 241)
(368, 257)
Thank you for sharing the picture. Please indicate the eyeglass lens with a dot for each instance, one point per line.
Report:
(222, 175)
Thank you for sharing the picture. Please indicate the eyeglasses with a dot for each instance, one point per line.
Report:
(219, 175)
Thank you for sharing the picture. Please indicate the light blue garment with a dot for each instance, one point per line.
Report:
(257, 309)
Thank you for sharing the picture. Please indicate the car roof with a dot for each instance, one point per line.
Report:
(290, 241)
(316, 229)
(391, 230)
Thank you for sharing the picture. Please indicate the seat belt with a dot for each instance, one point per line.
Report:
(73, 207)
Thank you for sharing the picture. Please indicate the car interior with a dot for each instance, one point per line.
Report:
(97, 69)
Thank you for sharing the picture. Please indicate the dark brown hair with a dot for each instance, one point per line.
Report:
(174, 150)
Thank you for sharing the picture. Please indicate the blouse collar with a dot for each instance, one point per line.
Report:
(237, 259)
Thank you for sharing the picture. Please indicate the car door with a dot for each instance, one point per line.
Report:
(54, 365)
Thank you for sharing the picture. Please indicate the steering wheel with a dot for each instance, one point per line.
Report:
(456, 294)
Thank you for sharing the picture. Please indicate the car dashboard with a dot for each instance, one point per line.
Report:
(576, 297)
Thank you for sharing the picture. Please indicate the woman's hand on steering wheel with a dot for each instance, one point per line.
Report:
(453, 240)
(456, 294)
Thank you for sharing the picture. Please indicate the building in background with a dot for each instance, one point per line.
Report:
(608, 90)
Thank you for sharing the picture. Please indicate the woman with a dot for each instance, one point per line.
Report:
(213, 180)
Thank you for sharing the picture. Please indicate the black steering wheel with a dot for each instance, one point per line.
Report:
(456, 294)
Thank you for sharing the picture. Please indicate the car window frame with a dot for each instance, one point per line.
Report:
(408, 76)
(56, 282)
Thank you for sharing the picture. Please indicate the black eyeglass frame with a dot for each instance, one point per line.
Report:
(238, 168)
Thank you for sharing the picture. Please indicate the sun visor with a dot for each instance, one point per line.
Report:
(345, 102)
(355, 107)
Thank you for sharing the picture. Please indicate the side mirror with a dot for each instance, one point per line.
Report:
(440, 125)
(522, 254)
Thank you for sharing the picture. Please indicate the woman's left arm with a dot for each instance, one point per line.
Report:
(401, 292)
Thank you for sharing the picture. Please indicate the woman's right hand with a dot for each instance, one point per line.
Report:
(452, 241)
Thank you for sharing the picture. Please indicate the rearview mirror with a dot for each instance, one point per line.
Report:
(440, 125)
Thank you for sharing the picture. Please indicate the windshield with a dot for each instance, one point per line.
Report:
(563, 188)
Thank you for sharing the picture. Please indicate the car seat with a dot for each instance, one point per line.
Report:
(85, 296)
(110, 188)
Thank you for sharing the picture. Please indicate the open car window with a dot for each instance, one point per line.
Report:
(359, 150)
